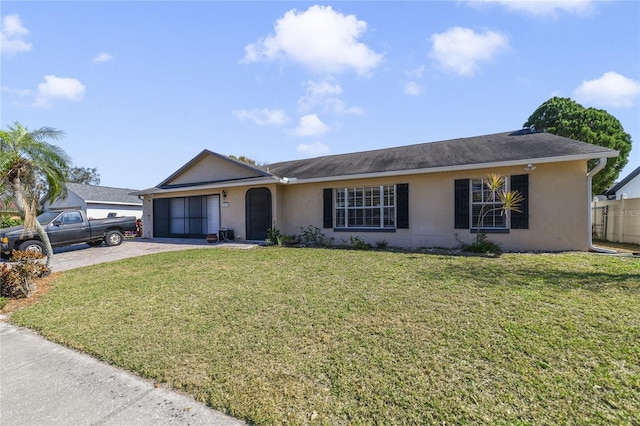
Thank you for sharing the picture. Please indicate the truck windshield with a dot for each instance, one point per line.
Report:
(47, 217)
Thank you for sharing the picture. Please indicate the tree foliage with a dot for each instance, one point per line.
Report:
(244, 159)
(84, 175)
(30, 167)
(565, 117)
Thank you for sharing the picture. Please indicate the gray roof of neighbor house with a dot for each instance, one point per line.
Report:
(103, 194)
(473, 152)
(615, 188)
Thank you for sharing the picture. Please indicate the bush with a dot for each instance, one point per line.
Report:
(274, 236)
(3, 302)
(382, 244)
(482, 245)
(312, 236)
(358, 243)
(6, 221)
(16, 279)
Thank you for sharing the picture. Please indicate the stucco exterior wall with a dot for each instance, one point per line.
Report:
(209, 169)
(558, 209)
(232, 207)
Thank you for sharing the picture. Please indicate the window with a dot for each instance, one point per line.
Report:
(370, 207)
(71, 217)
(486, 203)
(471, 194)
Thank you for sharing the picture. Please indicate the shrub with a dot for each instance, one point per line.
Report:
(312, 236)
(16, 279)
(274, 236)
(3, 302)
(482, 245)
(358, 243)
(382, 244)
(6, 221)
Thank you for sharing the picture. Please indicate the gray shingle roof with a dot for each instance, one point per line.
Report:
(497, 148)
(103, 194)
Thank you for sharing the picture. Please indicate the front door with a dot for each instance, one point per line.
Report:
(258, 213)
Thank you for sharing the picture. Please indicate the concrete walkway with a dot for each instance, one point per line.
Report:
(43, 383)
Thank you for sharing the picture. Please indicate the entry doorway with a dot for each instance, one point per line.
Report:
(258, 213)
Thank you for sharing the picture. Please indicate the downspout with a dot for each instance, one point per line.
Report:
(601, 163)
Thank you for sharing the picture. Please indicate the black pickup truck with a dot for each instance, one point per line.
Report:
(66, 228)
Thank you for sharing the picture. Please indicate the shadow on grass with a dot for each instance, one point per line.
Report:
(571, 280)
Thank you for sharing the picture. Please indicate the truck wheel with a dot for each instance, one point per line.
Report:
(113, 238)
(32, 245)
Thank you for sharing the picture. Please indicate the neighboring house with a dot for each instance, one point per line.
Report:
(425, 195)
(98, 201)
(629, 187)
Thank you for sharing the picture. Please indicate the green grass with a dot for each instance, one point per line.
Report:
(298, 336)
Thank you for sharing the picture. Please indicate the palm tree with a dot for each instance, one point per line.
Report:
(30, 166)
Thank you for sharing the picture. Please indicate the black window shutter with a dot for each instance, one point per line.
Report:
(461, 198)
(403, 205)
(327, 208)
(520, 220)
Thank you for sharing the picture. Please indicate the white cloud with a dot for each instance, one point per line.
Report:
(413, 89)
(541, 8)
(325, 95)
(69, 89)
(310, 125)
(313, 149)
(320, 39)
(415, 73)
(20, 92)
(461, 49)
(317, 92)
(12, 35)
(103, 57)
(610, 90)
(339, 106)
(263, 116)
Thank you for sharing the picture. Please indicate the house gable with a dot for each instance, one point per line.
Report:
(211, 167)
(630, 186)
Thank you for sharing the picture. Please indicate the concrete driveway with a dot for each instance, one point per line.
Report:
(78, 255)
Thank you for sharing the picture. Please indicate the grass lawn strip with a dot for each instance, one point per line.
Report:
(295, 336)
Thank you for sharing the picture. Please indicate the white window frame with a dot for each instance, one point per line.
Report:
(356, 205)
(498, 219)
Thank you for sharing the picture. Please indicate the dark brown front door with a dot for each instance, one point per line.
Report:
(258, 213)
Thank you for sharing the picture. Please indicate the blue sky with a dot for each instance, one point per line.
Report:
(142, 87)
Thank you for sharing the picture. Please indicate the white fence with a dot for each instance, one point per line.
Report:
(616, 220)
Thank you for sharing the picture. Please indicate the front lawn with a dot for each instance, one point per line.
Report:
(276, 335)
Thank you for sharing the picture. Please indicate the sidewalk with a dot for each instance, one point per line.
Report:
(43, 383)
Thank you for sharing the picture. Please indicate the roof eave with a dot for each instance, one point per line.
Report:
(119, 203)
(462, 167)
(262, 181)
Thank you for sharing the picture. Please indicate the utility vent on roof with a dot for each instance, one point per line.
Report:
(525, 131)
